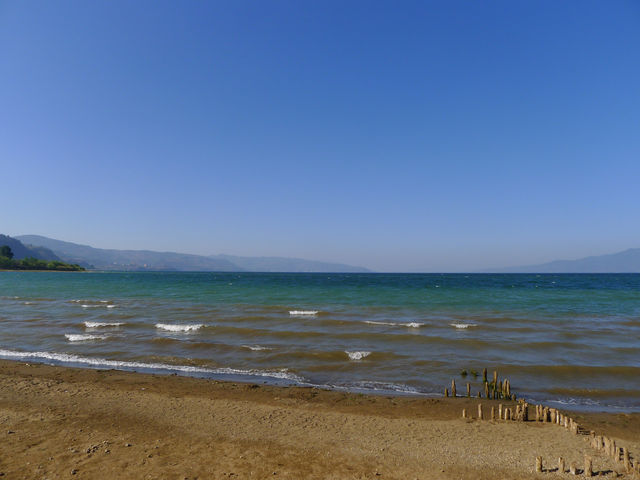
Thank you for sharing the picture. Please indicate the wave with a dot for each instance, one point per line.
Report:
(295, 313)
(393, 324)
(81, 337)
(256, 348)
(282, 374)
(463, 325)
(179, 328)
(357, 355)
(103, 324)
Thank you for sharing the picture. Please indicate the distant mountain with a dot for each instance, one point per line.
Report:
(106, 259)
(285, 264)
(622, 262)
(20, 250)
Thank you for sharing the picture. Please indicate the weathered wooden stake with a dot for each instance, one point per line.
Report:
(572, 468)
(495, 377)
(486, 389)
(479, 394)
(561, 465)
(626, 460)
(480, 416)
(588, 466)
(484, 375)
(507, 414)
(464, 413)
(500, 411)
(453, 388)
(539, 464)
(446, 392)
(493, 413)
(525, 412)
(537, 413)
(468, 389)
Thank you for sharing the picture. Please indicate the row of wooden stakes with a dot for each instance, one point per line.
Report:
(520, 413)
(554, 416)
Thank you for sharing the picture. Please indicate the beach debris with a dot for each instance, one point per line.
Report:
(538, 464)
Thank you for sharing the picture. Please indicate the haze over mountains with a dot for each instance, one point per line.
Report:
(45, 248)
(110, 259)
(627, 261)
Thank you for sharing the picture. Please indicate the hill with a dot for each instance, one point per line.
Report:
(627, 261)
(21, 251)
(285, 264)
(109, 259)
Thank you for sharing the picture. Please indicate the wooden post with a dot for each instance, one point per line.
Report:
(493, 413)
(480, 416)
(588, 466)
(453, 388)
(495, 377)
(479, 394)
(468, 389)
(614, 451)
(545, 414)
(537, 413)
(446, 392)
(626, 460)
(561, 465)
(507, 414)
(539, 464)
(484, 375)
(572, 468)
(500, 411)
(508, 388)
(464, 413)
(486, 389)
(525, 412)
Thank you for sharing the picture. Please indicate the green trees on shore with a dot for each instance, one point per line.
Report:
(30, 263)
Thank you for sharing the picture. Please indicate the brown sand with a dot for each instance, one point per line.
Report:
(79, 423)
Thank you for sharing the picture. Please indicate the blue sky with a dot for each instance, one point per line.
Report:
(401, 136)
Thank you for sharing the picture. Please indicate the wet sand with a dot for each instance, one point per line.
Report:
(58, 422)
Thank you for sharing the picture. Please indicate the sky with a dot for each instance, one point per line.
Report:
(399, 136)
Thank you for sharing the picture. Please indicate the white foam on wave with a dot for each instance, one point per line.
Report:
(282, 374)
(84, 337)
(103, 324)
(179, 328)
(357, 355)
(303, 312)
(463, 325)
(256, 348)
(392, 324)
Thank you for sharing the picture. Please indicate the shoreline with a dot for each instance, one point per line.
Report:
(57, 420)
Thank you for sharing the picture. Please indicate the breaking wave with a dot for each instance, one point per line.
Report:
(179, 328)
(357, 355)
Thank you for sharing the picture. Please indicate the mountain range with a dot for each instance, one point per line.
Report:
(627, 261)
(44, 248)
(135, 260)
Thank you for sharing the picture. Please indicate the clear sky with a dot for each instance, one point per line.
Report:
(400, 136)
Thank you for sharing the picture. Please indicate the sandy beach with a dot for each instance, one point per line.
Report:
(61, 422)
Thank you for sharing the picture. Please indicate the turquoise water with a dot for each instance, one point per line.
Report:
(570, 340)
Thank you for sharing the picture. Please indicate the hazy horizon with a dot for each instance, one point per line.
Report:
(413, 137)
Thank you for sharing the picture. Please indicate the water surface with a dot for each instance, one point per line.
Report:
(571, 340)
